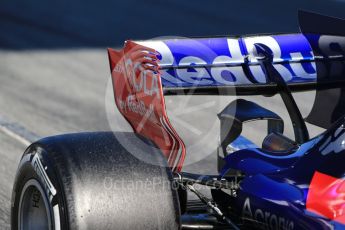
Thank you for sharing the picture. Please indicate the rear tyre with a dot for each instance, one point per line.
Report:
(89, 181)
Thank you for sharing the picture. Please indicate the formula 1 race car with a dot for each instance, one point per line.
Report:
(134, 180)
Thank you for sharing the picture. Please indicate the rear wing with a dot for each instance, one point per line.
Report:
(227, 65)
(144, 71)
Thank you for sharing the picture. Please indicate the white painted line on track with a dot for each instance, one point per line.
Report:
(17, 132)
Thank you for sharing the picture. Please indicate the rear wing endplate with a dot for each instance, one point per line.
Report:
(139, 98)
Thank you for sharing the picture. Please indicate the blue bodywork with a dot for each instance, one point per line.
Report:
(274, 192)
(256, 160)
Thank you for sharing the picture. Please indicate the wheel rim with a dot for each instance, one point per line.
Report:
(34, 208)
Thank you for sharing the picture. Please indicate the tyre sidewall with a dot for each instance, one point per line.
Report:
(33, 165)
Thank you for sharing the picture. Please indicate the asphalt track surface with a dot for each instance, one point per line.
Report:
(54, 69)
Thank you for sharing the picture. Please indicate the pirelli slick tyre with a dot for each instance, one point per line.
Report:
(90, 181)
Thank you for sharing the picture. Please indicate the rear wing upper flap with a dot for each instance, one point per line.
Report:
(227, 65)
